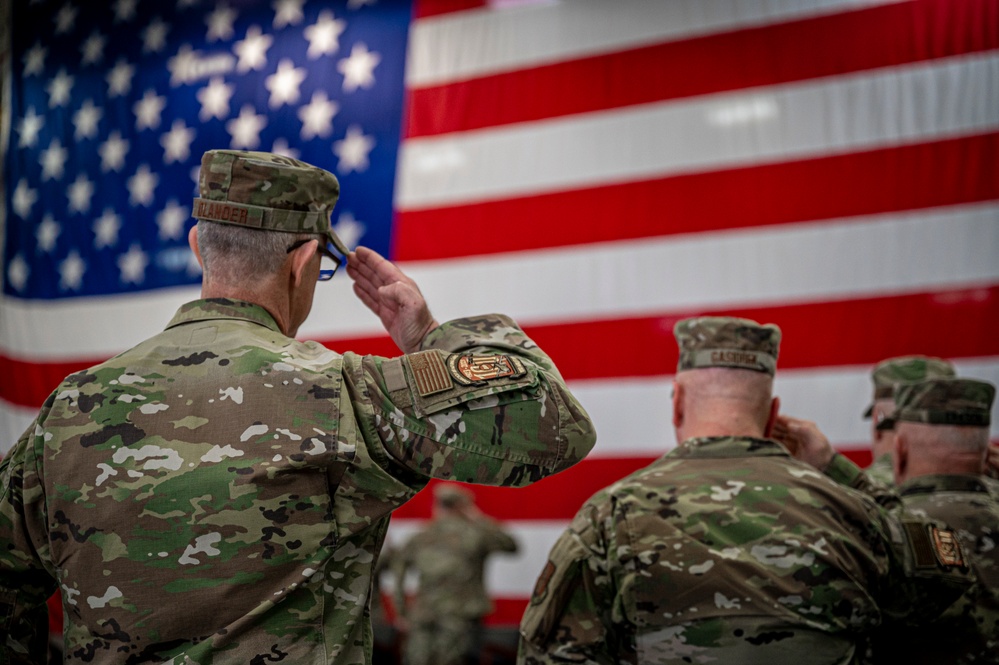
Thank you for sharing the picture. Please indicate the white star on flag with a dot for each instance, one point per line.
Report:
(133, 265)
(284, 84)
(120, 78)
(220, 23)
(252, 50)
(24, 197)
(148, 109)
(281, 147)
(154, 37)
(71, 271)
(317, 116)
(93, 49)
(65, 19)
(59, 88)
(113, 152)
(245, 129)
(53, 160)
(85, 120)
(124, 10)
(18, 272)
(106, 229)
(359, 68)
(287, 12)
(171, 220)
(141, 186)
(349, 230)
(324, 35)
(214, 99)
(34, 60)
(79, 193)
(47, 233)
(28, 128)
(177, 142)
(353, 150)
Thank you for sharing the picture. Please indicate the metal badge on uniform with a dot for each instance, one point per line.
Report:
(469, 370)
(947, 549)
(429, 372)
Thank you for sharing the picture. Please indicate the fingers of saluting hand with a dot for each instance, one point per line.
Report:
(370, 266)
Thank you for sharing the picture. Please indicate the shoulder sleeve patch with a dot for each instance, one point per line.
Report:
(429, 372)
(947, 548)
(469, 370)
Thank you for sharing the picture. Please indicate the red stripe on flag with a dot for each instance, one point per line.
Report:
(882, 36)
(425, 8)
(808, 340)
(910, 177)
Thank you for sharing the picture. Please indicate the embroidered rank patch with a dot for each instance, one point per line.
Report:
(429, 372)
(469, 370)
(947, 548)
(541, 586)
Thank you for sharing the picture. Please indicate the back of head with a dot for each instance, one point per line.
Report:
(450, 496)
(243, 194)
(725, 374)
(944, 423)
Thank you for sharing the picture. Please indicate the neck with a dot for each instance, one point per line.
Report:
(733, 426)
(277, 306)
(952, 464)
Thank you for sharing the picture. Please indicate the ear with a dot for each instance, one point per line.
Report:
(192, 240)
(772, 418)
(300, 258)
(677, 404)
(900, 457)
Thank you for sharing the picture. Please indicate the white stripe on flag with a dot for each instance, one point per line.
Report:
(833, 115)
(475, 43)
(931, 249)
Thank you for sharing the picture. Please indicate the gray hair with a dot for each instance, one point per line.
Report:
(236, 254)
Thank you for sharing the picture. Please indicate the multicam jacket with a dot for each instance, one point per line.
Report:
(881, 470)
(449, 557)
(220, 492)
(967, 631)
(725, 550)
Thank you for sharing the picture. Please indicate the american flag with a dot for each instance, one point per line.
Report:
(597, 170)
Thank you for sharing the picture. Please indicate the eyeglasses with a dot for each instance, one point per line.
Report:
(329, 261)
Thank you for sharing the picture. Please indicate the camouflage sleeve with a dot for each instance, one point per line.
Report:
(569, 617)
(845, 472)
(481, 403)
(497, 539)
(930, 569)
(25, 581)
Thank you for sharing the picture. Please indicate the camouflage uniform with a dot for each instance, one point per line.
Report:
(220, 492)
(726, 550)
(449, 557)
(885, 376)
(968, 631)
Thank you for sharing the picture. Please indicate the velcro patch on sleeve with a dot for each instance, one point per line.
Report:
(429, 372)
(469, 370)
(947, 549)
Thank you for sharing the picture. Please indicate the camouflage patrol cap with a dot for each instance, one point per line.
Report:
(945, 401)
(904, 369)
(262, 190)
(451, 495)
(725, 341)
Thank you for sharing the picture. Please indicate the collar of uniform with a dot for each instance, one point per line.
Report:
(728, 446)
(223, 308)
(943, 483)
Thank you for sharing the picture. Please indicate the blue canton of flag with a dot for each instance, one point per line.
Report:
(112, 106)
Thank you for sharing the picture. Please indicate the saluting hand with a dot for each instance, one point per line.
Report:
(804, 440)
(392, 296)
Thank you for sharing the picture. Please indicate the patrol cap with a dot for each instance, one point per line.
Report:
(265, 191)
(904, 369)
(725, 341)
(945, 401)
(451, 495)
